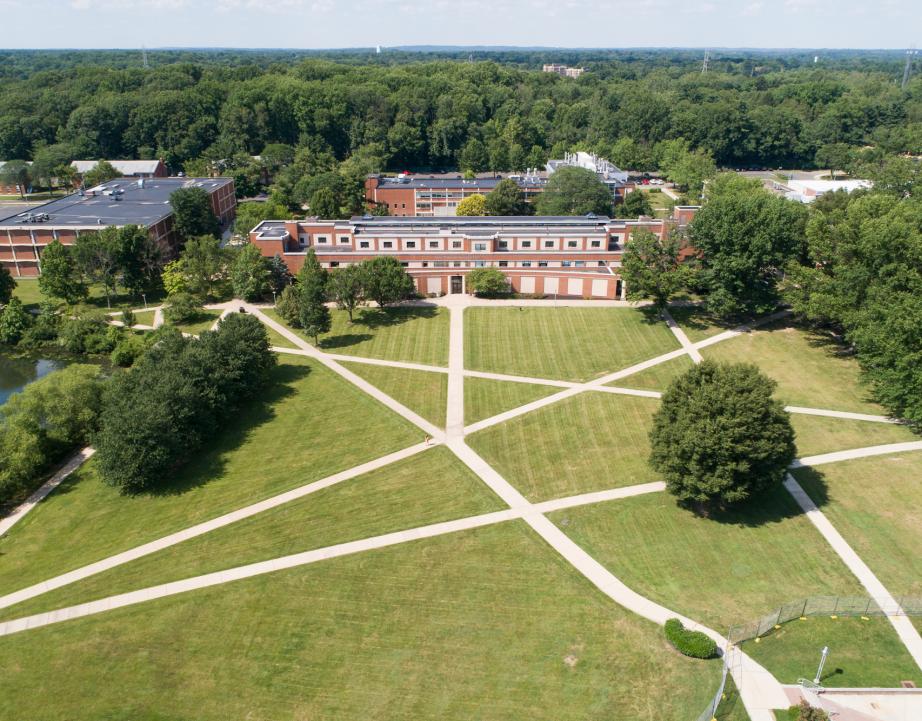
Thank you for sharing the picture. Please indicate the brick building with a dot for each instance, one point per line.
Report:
(125, 201)
(541, 255)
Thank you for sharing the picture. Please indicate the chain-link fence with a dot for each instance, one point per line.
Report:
(711, 711)
(825, 606)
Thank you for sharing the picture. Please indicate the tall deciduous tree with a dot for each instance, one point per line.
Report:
(507, 199)
(385, 280)
(205, 267)
(192, 213)
(472, 205)
(138, 258)
(651, 268)
(745, 239)
(14, 322)
(250, 274)
(315, 316)
(60, 278)
(574, 191)
(97, 256)
(100, 173)
(635, 204)
(719, 437)
(7, 285)
(346, 288)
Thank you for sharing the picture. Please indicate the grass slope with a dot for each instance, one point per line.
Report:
(588, 442)
(876, 504)
(420, 391)
(575, 344)
(304, 430)
(485, 397)
(428, 488)
(417, 334)
(723, 571)
(820, 434)
(488, 624)
(811, 370)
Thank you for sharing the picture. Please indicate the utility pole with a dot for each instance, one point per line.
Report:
(907, 69)
(707, 58)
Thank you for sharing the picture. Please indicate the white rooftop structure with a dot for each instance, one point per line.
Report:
(127, 168)
(608, 172)
(806, 191)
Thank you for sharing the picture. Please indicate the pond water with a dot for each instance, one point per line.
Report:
(17, 371)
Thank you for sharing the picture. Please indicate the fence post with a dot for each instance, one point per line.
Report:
(804, 610)
(835, 609)
(867, 608)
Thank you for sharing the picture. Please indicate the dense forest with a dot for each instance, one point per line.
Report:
(441, 110)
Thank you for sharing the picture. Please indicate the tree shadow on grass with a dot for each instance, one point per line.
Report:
(773, 506)
(345, 340)
(211, 460)
(372, 319)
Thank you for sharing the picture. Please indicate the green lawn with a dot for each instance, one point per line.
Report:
(428, 488)
(277, 339)
(405, 333)
(726, 570)
(810, 369)
(488, 624)
(876, 504)
(575, 344)
(27, 291)
(821, 434)
(658, 377)
(588, 442)
(142, 317)
(698, 324)
(304, 430)
(420, 391)
(660, 202)
(206, 319)
(485, 397)
(861, 653)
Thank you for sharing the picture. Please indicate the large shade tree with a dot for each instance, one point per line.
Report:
(574, 191)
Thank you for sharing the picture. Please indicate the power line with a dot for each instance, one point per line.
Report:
(907, 69)
(707, 58)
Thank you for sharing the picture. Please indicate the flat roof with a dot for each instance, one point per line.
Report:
(126, 167)
(443, 183)
(485, 220)
(97, 207)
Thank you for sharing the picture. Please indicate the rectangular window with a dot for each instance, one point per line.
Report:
(502, 244)
(411, 244)
(504, 264)
(457, 244)
(343, 240)
(322, 239)
(581, 264)
(457, 264)
(480, 246)
(480, 264)
(572, 244)
(403, 205)
(526, 264)
(566, 263)
(548, 243)
(334, 264)
(526, 244)
(404, 264)
(601, 263)
(425, 264)
(364, 244)
(542, 264)
(434, 244)
(595, 243)
(387, 244)
(440, 264)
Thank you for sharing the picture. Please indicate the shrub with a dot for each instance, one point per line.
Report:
(127, 350)
(14, 322)
(88, 334)
(690, 643)
(488, 281)
(288, 306)
(182, 308)
(128, 319)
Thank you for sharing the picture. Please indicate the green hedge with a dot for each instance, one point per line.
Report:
(690, 643)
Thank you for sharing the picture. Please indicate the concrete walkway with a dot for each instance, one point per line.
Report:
(680, 335)
(71, 465)
(854, 453)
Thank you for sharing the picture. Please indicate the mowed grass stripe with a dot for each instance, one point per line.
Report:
(432, 487)
(575, 344)
(588, 442)
(482, 624)
(424, 392)
(311, 424)
(823, 434)
(415, 334)
(486, 397)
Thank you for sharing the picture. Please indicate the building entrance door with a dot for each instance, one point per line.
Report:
(457, 284)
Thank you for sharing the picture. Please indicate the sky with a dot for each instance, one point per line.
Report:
(364, 23)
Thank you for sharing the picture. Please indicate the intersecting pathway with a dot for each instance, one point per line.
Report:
(759, 690)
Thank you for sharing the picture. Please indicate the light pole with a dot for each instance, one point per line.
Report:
(144, 298)
(819, 671)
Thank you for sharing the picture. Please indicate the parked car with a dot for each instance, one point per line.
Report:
(657, 181)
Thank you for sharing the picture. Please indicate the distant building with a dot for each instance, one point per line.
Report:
(13, 188)
(542, 255)
(609, 173)
(563, 70)
(807, 191)
(125, 201)
(128, 168)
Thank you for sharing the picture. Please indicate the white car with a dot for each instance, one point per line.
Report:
(656, 181)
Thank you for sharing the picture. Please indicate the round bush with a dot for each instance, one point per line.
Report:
(690, 643)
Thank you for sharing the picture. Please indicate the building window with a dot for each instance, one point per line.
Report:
(480, 246)
(572, 244)
(434, 244)
(581, 264)
(456, 244)
(457, 264)
(542, 264)
(403, 205)
(601, 263)
(526, 244)
(425, 264)
(504, 264)
(548, 243)
(322, 239)
(411, 244)
(387, 244)
(566, 263)
(364, 244)
(480, 264)
(334, 264)
(404, 264)
(502, 244)
(343, 239)
(595, 243)
(440, 264)
(526, 264)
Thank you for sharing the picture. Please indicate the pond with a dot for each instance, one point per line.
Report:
(17, 371)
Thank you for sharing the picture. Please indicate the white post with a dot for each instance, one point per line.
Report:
(819, 671)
